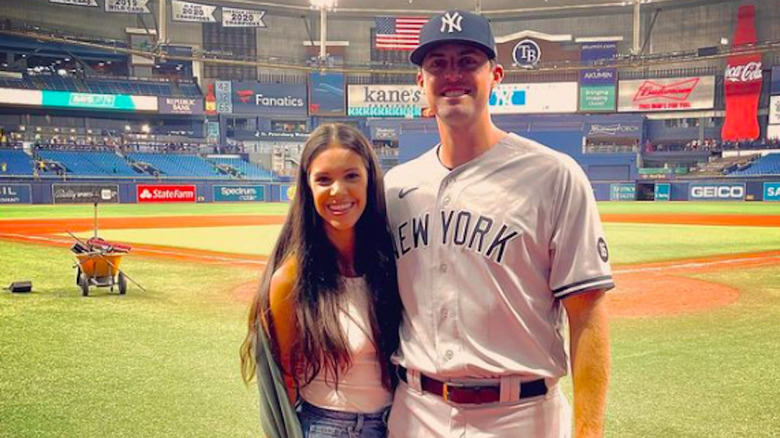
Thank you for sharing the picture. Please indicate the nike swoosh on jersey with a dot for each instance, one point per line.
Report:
(405, 192)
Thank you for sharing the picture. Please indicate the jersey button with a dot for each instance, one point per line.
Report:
(445, 201)
(443, 268)
(444, 313)
(448, 355)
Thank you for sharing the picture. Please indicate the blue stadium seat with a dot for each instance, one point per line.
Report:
(248, 170)
(17, 162)
(177, 165)
(90, 163)
(766, 165)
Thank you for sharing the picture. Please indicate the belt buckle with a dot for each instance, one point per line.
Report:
(447, 387)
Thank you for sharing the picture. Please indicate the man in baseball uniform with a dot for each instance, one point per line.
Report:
(495, 236)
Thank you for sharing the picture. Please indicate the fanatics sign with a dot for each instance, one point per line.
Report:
(148, 193)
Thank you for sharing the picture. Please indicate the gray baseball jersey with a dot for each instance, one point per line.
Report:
(485, 253)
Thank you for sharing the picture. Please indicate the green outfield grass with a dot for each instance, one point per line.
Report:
(160, 363)
(643, 243)
(709, 208)
(164, 362)
(134, 210)
(258, 239)
(713, 374)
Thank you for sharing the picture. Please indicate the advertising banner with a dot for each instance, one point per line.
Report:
(385, 101)
(622, 192)
(123, 102)
(269, 99)
(21, 97)
(181, 105)
(159, 193)
(326, 94)
(286, 193)
(773, 132)
(674, 94)
(223, 91)
(85, 193)
(594, 52)
(239, 193)
(717, 192)
(618, 130)
(775, 80)
(127, 6)
(92, 3)
(15, 194)
(233, 17)
(212, 132)
(296, 137)
(597, 86)
(547, 97)
(771, 191)
(774, 110)
(742, 81)
(192, 12)
(662, 191)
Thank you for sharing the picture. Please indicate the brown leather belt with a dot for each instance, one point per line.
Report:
(469, 394)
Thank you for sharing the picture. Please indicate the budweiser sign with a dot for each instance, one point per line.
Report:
(744, 73)
(676, 91)
(673, 94)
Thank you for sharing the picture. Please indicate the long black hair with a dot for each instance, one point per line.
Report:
(322, 345)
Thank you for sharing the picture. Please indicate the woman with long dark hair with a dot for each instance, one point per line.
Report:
(328, 300)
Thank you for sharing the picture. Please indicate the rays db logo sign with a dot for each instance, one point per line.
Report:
(526, 53)
(717, 192)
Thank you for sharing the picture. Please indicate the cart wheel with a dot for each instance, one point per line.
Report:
(122, 284)
(84, 284)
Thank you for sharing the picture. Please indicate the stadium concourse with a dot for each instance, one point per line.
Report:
(184, 120)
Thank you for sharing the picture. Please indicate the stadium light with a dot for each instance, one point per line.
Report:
(323, 4)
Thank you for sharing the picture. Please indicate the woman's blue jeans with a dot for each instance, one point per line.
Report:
(325, 423)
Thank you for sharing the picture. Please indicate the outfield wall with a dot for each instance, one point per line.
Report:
(730, 190)
(75, 191)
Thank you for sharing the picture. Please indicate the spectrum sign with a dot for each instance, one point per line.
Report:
(149, 193)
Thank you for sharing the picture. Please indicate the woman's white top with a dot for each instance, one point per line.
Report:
(360, 387)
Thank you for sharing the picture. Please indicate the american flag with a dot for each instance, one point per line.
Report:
(398, 33)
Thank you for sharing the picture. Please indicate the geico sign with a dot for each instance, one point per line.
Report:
(718, 192)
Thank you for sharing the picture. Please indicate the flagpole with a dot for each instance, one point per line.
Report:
(323, 33)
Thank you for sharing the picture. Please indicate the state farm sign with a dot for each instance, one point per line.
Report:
(147, 193)
(673, 94)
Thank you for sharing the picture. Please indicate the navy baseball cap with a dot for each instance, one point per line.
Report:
(455, 26)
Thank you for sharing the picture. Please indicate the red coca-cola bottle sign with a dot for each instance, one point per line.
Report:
(742, 82)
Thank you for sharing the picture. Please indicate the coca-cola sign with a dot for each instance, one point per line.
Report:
(672, 94)
(744, 73)
(742, 82)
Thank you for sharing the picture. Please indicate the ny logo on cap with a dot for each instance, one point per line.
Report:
(451, 22)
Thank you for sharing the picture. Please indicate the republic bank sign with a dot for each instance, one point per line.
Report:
(269, 99)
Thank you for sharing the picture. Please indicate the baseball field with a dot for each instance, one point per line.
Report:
(694, 320)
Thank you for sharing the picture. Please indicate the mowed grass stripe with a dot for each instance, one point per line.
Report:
(254, 240)
(135, 210)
